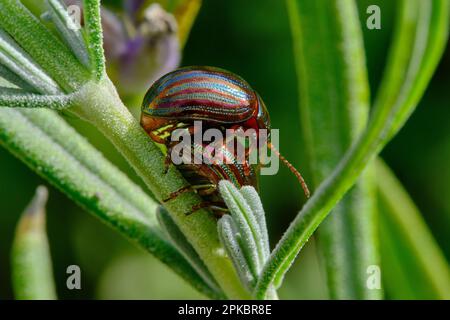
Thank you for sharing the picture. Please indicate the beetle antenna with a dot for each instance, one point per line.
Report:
(292, 169)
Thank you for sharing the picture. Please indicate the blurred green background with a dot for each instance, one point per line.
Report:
(252, 39)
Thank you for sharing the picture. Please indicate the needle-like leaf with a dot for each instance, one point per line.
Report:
(243, 232)
(231, 238)
(69, 29)
(327, 36)
(13, 80)
(18, 62)
(31, 261)
(18, 98)
(47, 50)
(254, 202)
(68, 161)
(93, 25)
(247, 226)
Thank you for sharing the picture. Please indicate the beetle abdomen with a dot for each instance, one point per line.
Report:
(201, 93)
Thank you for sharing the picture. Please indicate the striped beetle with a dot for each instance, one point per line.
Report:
(219, 99)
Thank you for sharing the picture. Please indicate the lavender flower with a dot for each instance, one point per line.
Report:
(153, 50)
(140, 46)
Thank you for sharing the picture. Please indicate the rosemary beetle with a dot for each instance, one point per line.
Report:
(220, 100)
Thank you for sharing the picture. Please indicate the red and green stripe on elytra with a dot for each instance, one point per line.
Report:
(204, 93)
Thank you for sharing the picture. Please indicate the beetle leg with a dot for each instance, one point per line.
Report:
(201, 189)
(205, 189)
(215, 207)
(175, 194)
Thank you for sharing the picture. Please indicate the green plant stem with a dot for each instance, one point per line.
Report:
(100, 104)
(426, 50)
(32, 273)
(52, 160)
(413, 266)
(327, 36)
(91, 10)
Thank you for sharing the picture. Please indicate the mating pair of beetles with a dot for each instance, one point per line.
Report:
(220, 100)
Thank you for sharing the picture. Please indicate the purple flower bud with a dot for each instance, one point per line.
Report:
(114, 35)
(132, 7)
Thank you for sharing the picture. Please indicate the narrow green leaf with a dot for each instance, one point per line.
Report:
(18, 62)
(243, 233)
(69, 30)
(93, 25)
(385, 122)
(44, 48)
(18, 98)
(327, 36)
(185, 248)
(64, 158)
(252, 198)
(185, 12)
(231, 238)
(13, 80)
(75, 144)
(413, 265)
(31, 261)
(247, 225)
